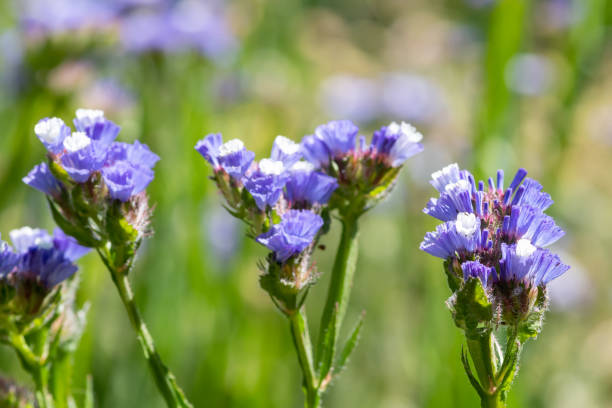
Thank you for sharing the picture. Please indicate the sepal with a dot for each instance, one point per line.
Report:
(471, 308)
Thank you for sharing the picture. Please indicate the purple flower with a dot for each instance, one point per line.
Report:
(474, 269)
(68, 245)
(46, 266)
(83, 156)
(127, 169)
(45, 259)
(8, 259)
(511, 228)
(531, 224)
(396, 143)
(234, 158)
(286, 151)
(187, 25)
(454, 237)
(266, 183)
(99, 129)
(40, 178)
(456, 198)
(524, 262)
(292, 235)
(448, 175)
(209, 148)
(125, 179)
(306, 187)
(332, 140)
(25, 238)
(52, 132)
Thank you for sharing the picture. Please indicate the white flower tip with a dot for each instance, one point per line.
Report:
(524, 248)
(406, 130)
(49, 130)
(286, 145)
(462, 185)
(76, 141)
(92, 114)
(271, 167)
(446, 171)
(303, 166)
(467, 224)
(25, 237)
(231, 146)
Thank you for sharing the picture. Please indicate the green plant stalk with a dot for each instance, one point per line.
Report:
(164, 379)
(36, 368)
(483, 356)
(341, 284)
(494, 376)
(303, 346)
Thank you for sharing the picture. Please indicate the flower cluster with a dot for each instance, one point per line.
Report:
(496, 235)
(286, 198)
(33, 269)
(365, 173)
(89, 173)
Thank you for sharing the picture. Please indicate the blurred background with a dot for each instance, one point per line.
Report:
(490, 83)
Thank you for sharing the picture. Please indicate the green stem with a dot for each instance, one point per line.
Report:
(37, 369)
(303, 346)
(492, 401)
(340, 286)
(164, 379)
(483, 356)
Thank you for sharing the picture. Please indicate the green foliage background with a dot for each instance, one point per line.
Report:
(218, 331)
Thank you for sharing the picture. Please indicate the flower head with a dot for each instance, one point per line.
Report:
(32, 270)
(40, 178)
(395, 143)
(52, 132)
(234, 158)
(266, 183)
(306, 187)
(286, 151)
(496, 235)
(334, 139)
(125, 168)
(292, 235)
(209, 148)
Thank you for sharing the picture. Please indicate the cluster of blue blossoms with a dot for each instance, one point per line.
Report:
(286, 198)
(32, 270)
(496, 235)
(92, 181)
(126, 169)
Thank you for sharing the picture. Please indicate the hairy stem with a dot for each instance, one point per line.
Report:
(164, 379)
(37, 369)
(340, 287)
(303, 346)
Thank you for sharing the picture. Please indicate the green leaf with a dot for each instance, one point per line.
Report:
(82, 235)
(531, 326)
(471, 377)
(471, 307)
(350, 345)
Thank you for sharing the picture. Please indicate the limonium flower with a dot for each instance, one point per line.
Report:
(365, 173)
(492, 241)
(36, 264)
(292, 235)
(125, 169)
(266, 182)
(287, 199)
(306, 187)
